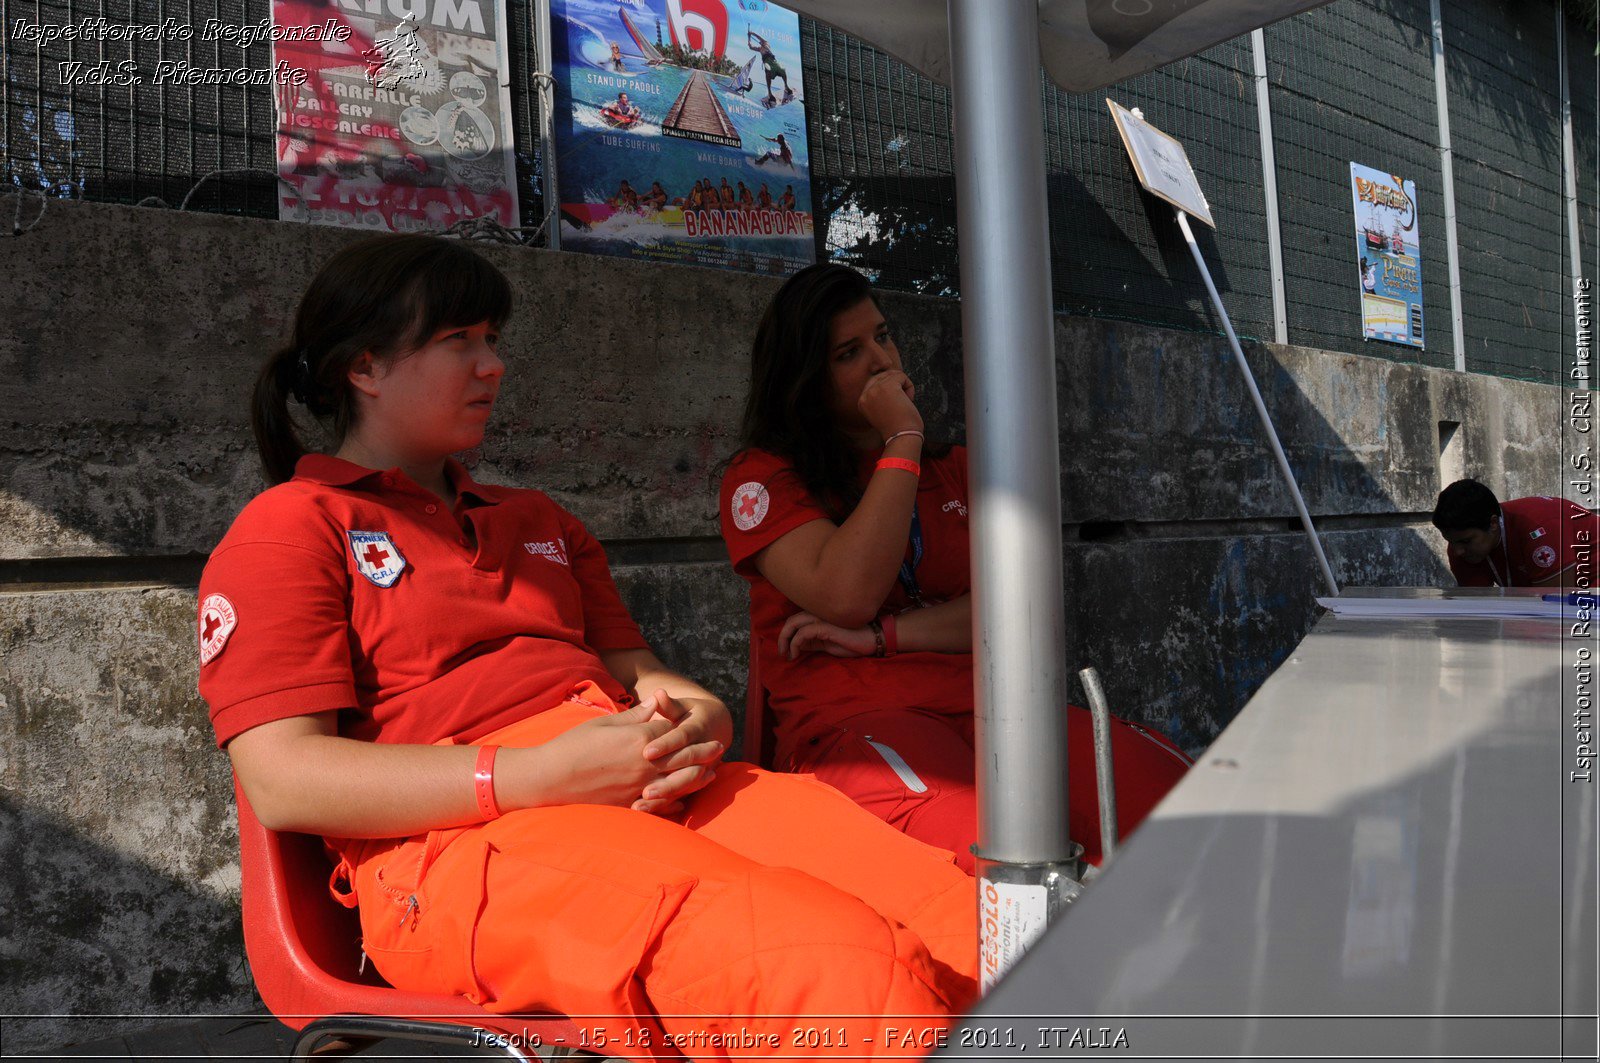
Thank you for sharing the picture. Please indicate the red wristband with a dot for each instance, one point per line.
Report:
(891, 639)
(483, 783)
(903, 464)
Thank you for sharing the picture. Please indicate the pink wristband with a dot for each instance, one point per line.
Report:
(483, 783)
(903, 464)
(891, 638)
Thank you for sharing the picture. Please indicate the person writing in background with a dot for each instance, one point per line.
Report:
(1538, 541)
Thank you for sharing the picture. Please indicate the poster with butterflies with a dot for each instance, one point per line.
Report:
(403, 123)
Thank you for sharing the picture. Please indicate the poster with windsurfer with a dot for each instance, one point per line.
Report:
(663, 95)
(404, 123)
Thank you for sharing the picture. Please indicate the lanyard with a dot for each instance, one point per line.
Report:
(1504, 581)
(908, 569)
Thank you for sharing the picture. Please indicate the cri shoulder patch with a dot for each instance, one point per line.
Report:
(1545, 556)
(376, 557)
(217, 621)
(750, 505)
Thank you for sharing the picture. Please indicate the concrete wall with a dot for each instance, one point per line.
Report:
(128, 339)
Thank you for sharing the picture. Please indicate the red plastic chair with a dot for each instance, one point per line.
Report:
(760, 740)
(305, 955)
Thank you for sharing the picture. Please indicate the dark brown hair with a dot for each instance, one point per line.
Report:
(1464, 506)
(789, 412)
(385, 294)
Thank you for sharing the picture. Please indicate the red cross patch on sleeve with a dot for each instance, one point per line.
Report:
(217, 621)
(750, 505)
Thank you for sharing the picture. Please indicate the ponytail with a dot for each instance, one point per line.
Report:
(293, 372)
(276, 440)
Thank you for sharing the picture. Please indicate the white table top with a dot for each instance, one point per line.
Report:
(1381, 856)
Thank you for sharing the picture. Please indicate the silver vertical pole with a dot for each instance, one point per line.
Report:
(1569, 173)
(1269, 184)
(1014, 462)
(1441, 95)
(545, 79)
(1261, 409)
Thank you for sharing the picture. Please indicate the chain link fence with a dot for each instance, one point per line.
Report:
(1503, 73)
(1354, 83)
(1583, 87)
(1348, 82)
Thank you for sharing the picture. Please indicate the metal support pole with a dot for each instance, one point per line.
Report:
(1027, 864)
(1261, 408)
(1104, 769)
(547, 119)
(1569, 171)
(1269, 187)
(1441, 95)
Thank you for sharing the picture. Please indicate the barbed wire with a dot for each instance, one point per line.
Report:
(479, 228)
(17, 228)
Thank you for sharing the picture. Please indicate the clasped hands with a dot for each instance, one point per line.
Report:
(648, 758)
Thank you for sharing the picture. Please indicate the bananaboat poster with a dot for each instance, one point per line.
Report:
(680, 132)
(403, 122)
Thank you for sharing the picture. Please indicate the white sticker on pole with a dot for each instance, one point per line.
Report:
(1012, 915)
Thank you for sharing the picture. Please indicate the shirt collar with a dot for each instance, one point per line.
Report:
(331, 471)
(464, 484)
(336, 472)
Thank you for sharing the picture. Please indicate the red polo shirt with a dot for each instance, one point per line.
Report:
(354, 589)
(1540, 538)
(762, 500)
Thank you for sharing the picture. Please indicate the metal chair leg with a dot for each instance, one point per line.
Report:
(369, 1028)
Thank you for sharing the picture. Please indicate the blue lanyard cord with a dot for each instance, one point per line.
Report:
(908, 569)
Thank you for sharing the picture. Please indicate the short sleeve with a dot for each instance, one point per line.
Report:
(273, 627)
(761, 501)
(607, 624)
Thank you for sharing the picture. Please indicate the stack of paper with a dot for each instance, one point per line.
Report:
(1553, 606)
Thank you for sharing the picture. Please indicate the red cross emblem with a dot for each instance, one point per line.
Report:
(217, 621)
(376, 557)
(750, 503)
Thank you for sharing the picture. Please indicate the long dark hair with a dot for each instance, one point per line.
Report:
(788, 412)
(385, 294)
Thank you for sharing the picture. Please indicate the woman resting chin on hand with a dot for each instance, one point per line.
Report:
(530, 809)
(851, 528)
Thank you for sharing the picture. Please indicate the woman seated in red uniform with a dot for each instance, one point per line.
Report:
(439, 677)
(851, 528)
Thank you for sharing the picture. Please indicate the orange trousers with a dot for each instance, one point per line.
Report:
(773, 918)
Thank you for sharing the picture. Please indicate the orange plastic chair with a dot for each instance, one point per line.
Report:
(305, 955)
(760, 740)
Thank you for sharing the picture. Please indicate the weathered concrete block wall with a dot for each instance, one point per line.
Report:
(128, 339)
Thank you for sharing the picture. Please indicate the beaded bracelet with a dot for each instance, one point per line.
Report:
(877, 637)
